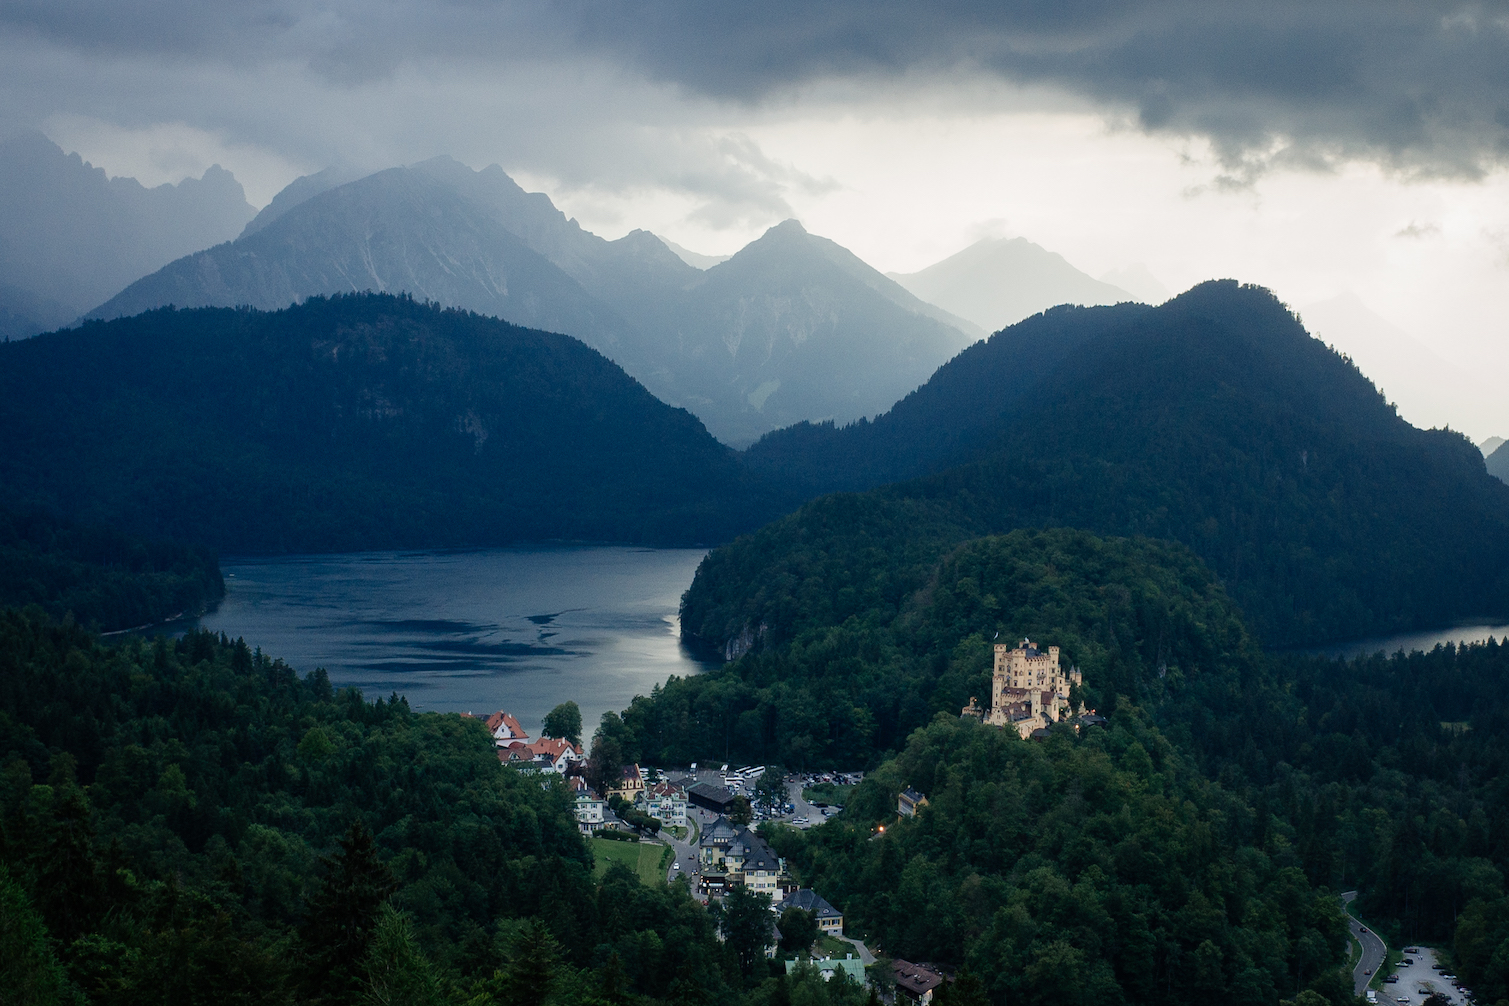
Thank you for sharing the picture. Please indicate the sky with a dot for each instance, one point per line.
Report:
(1353, 157)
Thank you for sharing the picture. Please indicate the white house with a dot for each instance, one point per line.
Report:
(589, 806)
(666, 801)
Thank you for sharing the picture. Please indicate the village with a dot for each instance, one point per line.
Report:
(698, 825)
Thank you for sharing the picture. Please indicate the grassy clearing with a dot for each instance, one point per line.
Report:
(827, 946)
(646, 859)
(832, 794)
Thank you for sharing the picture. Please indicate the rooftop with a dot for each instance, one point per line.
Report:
(809, 901)
(915, 978)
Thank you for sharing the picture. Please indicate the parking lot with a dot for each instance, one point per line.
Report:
(1417, 980)
(797, 812)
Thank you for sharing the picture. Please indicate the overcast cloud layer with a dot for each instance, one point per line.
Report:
(1418, 86)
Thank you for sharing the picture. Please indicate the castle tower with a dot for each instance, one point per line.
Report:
(1028, 688)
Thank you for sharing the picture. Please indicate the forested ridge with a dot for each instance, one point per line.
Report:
(1214, 420)
(355, 422)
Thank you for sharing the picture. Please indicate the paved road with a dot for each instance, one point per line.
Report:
(1373, 949)
(813, 814)
(686, 855)
(865, 957)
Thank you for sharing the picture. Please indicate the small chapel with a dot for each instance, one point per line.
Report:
(1028, 689)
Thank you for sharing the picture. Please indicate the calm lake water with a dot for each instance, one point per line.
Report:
(520, 629)
(1412, 641)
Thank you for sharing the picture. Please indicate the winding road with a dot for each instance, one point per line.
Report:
(1373, 949)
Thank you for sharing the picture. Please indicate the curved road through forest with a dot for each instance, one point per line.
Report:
(1373, 950)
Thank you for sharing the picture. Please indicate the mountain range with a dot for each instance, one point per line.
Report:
(792, 327)
(70, 236)
(371, 421)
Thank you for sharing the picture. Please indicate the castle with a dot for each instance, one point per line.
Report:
(1028, 689)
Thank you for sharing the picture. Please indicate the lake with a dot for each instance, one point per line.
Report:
(1411, 641)
(520, 629)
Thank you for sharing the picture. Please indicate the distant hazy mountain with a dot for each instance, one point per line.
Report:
(1498, 463)
(400, 230)
(793, 327)
(1429, 390)
(692, 258)
(358, 422)
(1138, 281)
(70, 236)
(995, 283)
(300, 190)
(1490, 445)
(1214, 420)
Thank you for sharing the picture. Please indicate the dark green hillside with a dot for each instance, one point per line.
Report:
(101, 576)
(1214, 420)
(354, 422)
(1081, 870)
(190, 822)
(948, 420)
(873, 655)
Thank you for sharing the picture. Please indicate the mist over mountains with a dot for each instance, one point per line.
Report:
(793, 327)
(998, 282)
(70, 236)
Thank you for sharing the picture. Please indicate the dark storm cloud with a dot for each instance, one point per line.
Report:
(1418, 86)
(1422, 86)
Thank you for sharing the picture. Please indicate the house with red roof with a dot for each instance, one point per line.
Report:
(505, 729)
(548, 754)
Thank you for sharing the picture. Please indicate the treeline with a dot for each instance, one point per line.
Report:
(1388, 775)
(861, 643)
(190, 822)
(102, 577)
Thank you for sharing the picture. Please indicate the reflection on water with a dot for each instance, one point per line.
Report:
(1412, 641)
(518, 629)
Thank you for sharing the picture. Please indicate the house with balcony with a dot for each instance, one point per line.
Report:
(591, 809)
(666, 801)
